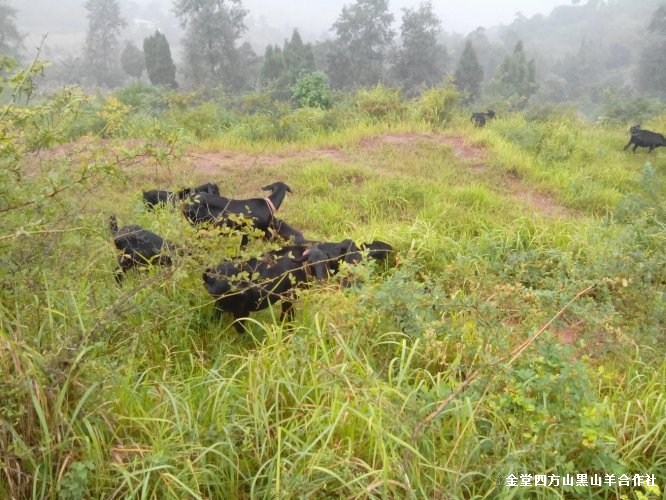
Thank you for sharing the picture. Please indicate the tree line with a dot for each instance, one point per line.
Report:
(364, 50)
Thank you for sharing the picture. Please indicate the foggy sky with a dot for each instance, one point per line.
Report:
(461, 16)
(314, 17)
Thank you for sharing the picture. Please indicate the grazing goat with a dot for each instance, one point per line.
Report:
(280, 228)
(155, 197)
(221, 211)
(325, 258)
(644, 139)
(139, 247)
(240, 287)
(479, 119)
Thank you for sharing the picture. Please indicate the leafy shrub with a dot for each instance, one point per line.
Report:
(312, 91)
(436, 106)
(545, 112)
(622, 108)
(204, 121)
(146, 97)
(260, 101)
(113, 113)
(380, 103)
(555, 140)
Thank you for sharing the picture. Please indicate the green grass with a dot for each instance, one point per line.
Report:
(410, 385)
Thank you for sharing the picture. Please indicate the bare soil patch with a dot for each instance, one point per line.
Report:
(219, 163)
(226, 161)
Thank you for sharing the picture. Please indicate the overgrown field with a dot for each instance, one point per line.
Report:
(519, 330)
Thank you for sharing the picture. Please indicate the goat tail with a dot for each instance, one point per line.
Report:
(113, 224)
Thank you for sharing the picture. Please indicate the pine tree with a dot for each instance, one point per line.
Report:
(101, 47)
(249, 67)
(159, 65)
(515, 80)
(132, 60)
(298, 59)
(273, 67)
(213, 27)
(469, 73)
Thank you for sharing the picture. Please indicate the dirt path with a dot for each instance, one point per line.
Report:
(473, 157)
(212, 163)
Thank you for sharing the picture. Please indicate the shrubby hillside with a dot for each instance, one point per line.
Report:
(516, 331)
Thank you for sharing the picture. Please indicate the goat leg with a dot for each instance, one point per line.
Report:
(237, 324)
(119, 275)
(125, 263)
(287, 310)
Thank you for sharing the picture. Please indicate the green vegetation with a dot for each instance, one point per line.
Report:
(520, 328)
(157, 60)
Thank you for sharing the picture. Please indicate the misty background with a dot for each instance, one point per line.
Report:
(269, 21)
(578, 52)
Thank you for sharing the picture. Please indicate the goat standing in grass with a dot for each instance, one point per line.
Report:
(243, 286)
(240, 287)
(644, 139)
(156, 197)
(139, 248)
(325, 258)
(225, 212)
(479, 119)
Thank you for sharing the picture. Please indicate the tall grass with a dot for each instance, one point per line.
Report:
(519, 329)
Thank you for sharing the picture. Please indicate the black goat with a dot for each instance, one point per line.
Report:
(155, 197)
(325, 258)
(280, 228)
(644, 139)
(225, 212)
(139, 247)
(479, 119)
(240, 287)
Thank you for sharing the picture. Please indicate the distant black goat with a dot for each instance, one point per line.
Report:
(155, 197)
(240, 287)
(644, 139)
(479, 119)
(225, 212)
(139, 247)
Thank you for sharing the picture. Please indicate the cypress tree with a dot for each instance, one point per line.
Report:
(132, 60)
(515, 79)
(159, 65)
(469, 73)
(273, 67)
(298, 59)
